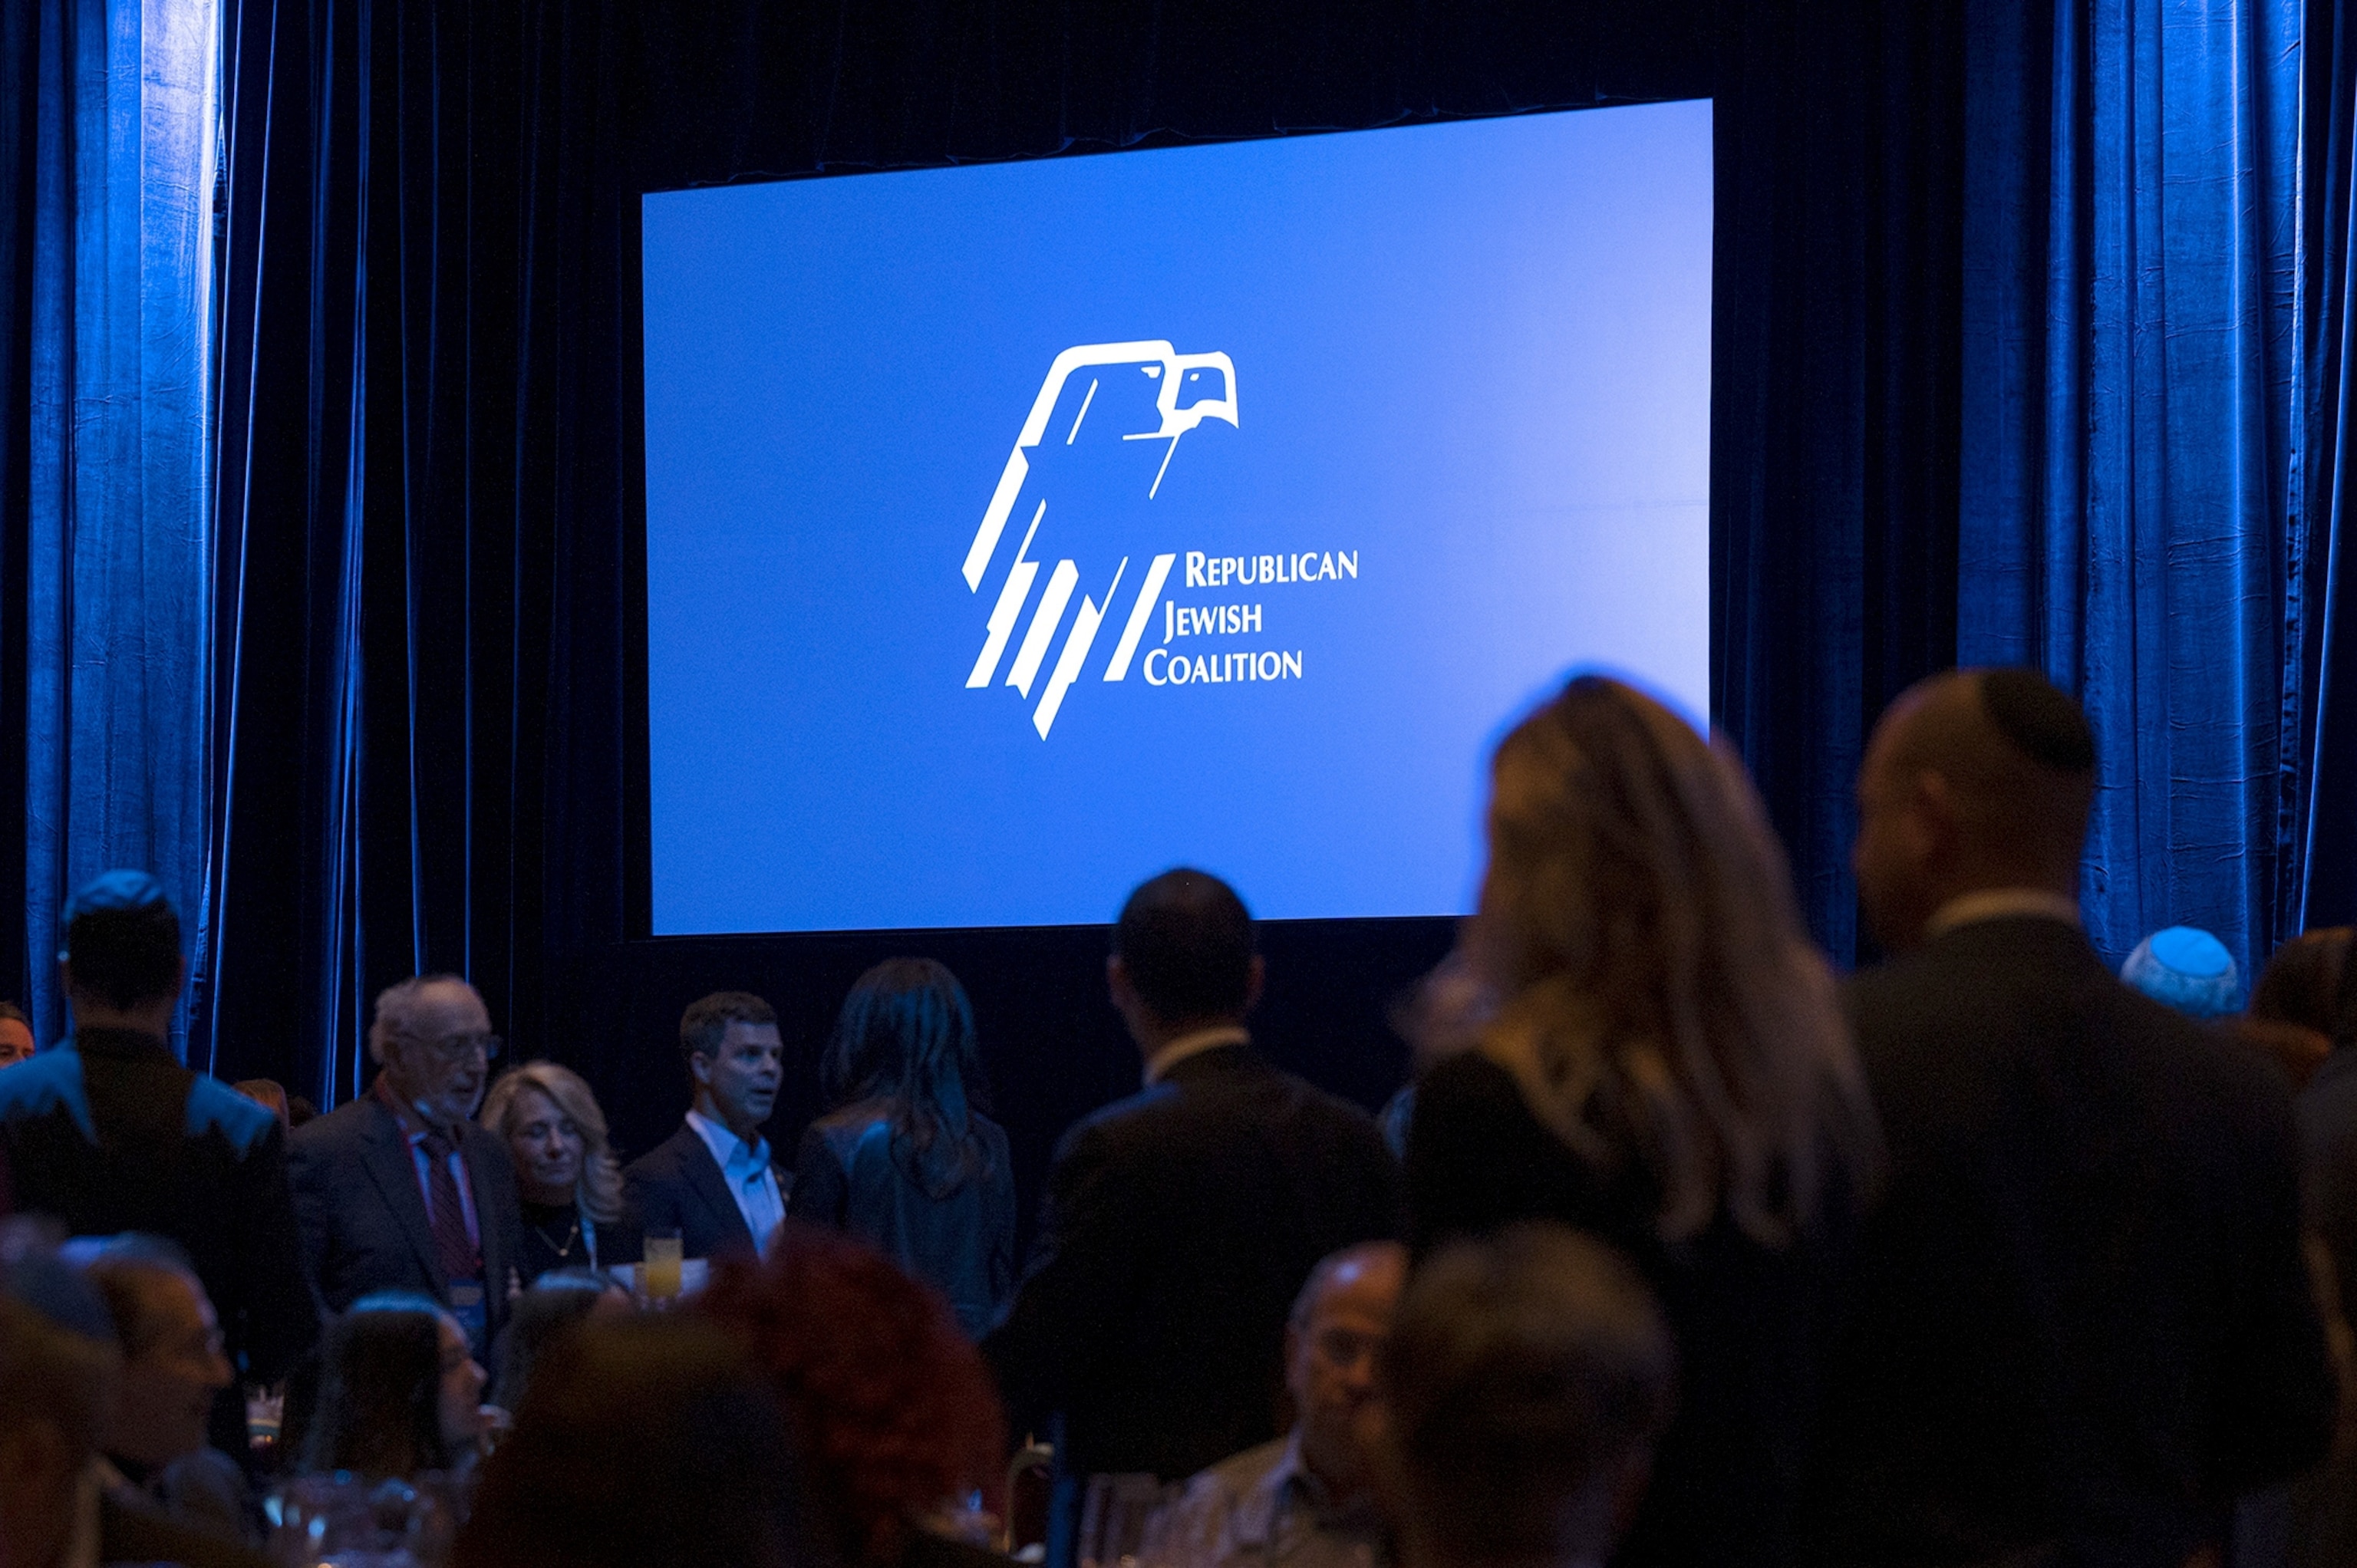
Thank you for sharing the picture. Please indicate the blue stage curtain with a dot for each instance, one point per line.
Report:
(2131, 517)
(109, 153)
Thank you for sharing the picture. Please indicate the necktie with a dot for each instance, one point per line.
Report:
(452, 1249)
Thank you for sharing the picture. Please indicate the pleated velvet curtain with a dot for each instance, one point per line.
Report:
(108, 146)
(2134, 517)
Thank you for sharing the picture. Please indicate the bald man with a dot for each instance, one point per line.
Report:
(1306, 1501)
(2083, 1323)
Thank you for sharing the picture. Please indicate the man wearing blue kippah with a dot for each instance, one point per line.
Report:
(107, 1132)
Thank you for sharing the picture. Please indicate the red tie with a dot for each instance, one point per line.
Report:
(452, 1248)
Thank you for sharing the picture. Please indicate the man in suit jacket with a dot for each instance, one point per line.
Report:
(107, 1132)
(1181, 1222)
(2084, 1322)
(399, 1190)
(715, 1180)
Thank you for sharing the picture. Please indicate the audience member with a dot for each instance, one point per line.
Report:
(893, 1409)
(268, 1093)
(556, 1303)
(1526, 1380)
(16, 1035)
(1307, 1500)
(2186, 967)
(2321, 989)
(2085, 1323)
(1635, 1037)
(154, 1438)
(2290, 1016)
(398, 1190)
(904, 1159)
(400, 1392)
(58, 1367)
(714, 1181)
(2301, 985)
(107, 1132)
(565, 1174)
(643, 1443)
(1179, 1223)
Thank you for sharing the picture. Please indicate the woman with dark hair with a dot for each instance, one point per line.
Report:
(1635, 1037)
(400, 1394)
(904, 1159)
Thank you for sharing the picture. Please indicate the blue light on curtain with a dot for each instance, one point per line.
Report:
(2129, 516)
(118, 550)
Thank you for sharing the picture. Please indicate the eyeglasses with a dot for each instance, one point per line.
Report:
(457, 1048)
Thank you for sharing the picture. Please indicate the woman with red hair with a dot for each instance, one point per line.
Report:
(895, 1415)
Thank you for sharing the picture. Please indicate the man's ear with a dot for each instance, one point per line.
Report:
(1119, 985)
(699, 1069)
(1255, 982)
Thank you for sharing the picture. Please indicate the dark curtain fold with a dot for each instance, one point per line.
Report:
(2323, 804)
(418, 660)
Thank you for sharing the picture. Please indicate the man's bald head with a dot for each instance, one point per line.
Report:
(1975, 779)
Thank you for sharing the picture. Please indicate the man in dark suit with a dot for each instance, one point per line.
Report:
(107, 1132)
(714, 1181)
(399, 1190)
(1181, 1222)
(2083, 1323)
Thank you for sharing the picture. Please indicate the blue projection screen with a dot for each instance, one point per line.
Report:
(1015, 533)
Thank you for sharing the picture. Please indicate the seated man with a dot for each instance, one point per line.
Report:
(1304, 1500)
(58, 1368)
(714, 1181)
(1525, 1382)
(399, 1190)
(153, 1439)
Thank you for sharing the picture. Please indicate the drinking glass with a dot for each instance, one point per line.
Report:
(660, 1275)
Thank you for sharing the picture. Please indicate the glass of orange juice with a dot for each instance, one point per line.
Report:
(659, 1275)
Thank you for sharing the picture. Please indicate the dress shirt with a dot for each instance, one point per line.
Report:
(413, 1128)
(1264, 1508)
(1158, 1066)
(745, 1167)
(2001, 904)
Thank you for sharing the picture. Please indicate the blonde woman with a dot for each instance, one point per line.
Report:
(1634, 1036)
(566, 1177)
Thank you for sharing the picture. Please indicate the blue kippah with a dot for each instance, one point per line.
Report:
(2188, 969)
(110, 891)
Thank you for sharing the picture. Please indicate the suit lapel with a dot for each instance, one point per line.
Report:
(394, 1170)
(704, 1177)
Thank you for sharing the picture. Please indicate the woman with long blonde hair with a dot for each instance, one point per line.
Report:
(570, 1184)
(1635, 1037)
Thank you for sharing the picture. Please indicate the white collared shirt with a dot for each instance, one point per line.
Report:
(745, 1169)
(2000, 904)
(1158, 1066)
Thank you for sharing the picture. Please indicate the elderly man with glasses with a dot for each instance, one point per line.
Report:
(399, 1190)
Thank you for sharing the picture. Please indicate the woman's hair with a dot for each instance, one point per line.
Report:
(906, 1033)
(1637, 962)
(2301, 985)
(558, 1302)
(643, 1443)
(600, 1190)
(888, 1402)
(379, 1408)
